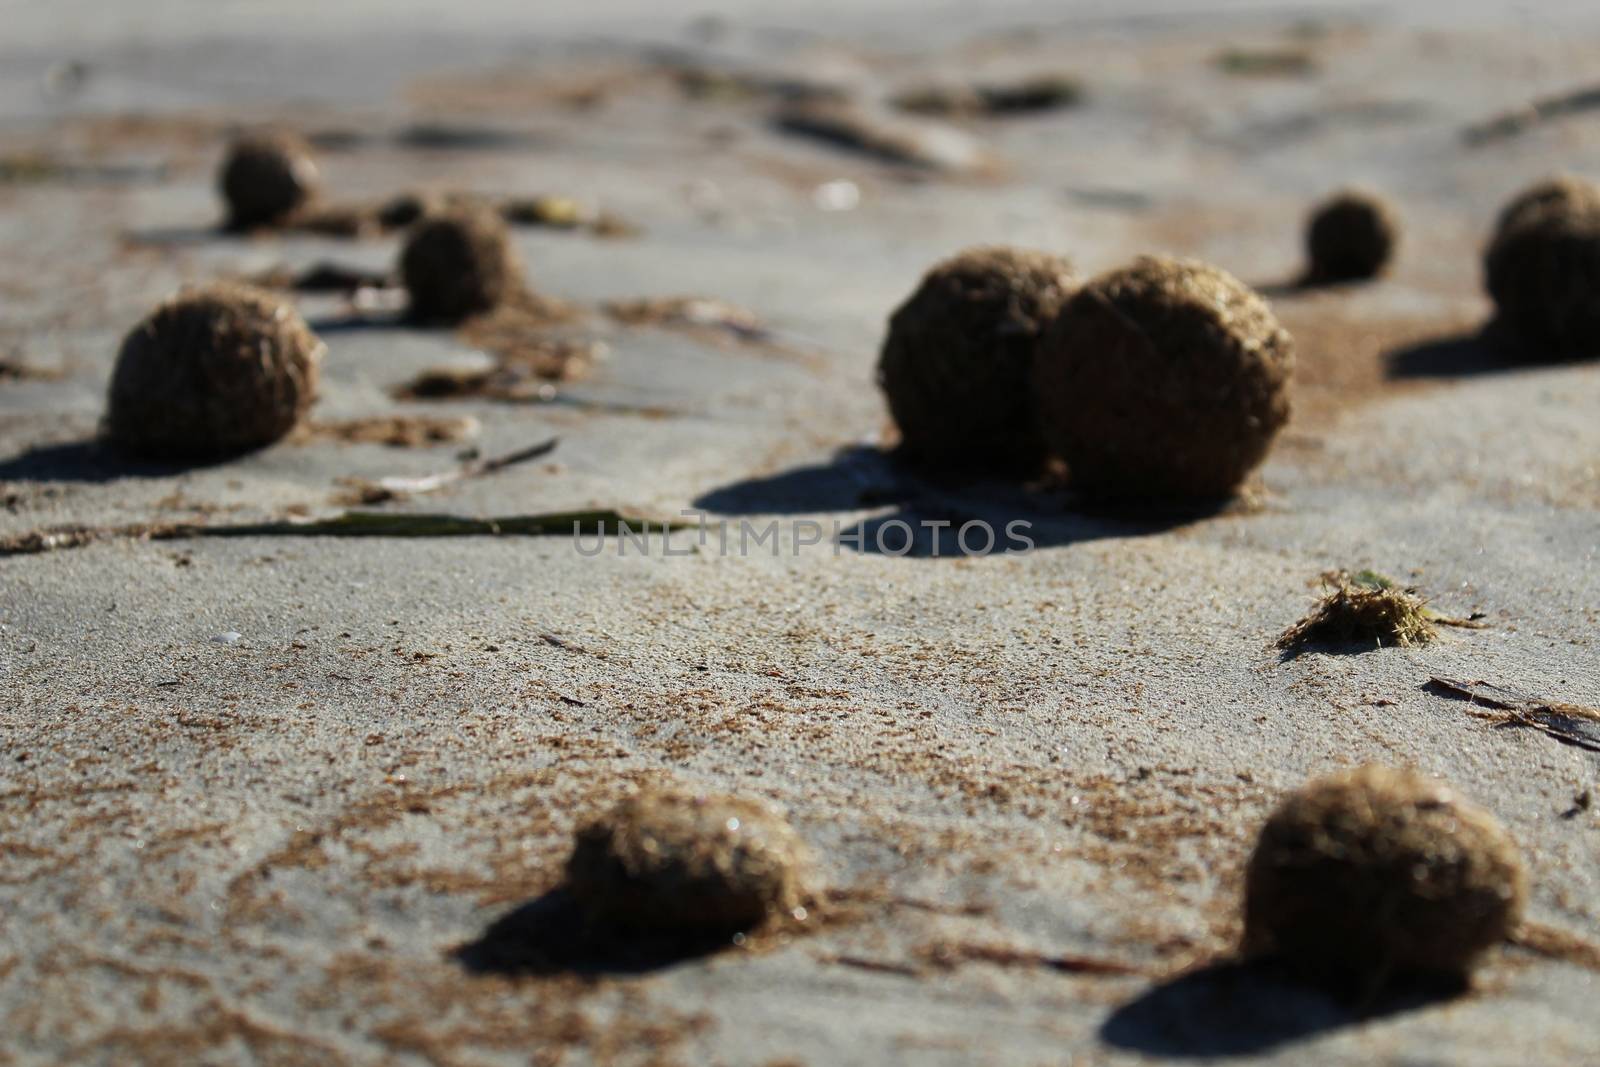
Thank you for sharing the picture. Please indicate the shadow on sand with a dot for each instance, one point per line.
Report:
(1493, 350)
(1246, 1009)
(90, 462)
(938, 518)
(551, 935)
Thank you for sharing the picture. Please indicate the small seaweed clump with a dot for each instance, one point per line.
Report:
(212, 373)
(667, 862)
(457, 263)
(957, 361)
(1372, 873)
(1352, 237)
(1363, 609)
(1164, 382)
(266, 178)
(1543, 271)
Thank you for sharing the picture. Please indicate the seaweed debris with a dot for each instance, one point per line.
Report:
(589, 522)
(1371, 610)
(1571, 724)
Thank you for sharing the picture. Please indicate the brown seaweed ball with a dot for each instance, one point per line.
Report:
(957, 361)
(1373, 872)
(1561, 193)
(457, 263)
(670, 862)
(266, 178)
(1351, 237)
(1543, 271)
(213, 372)
(1163, 382)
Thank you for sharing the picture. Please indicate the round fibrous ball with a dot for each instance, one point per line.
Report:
(1351, 237)
(1543, 272)
(1376, 872)
(213, 372)
(957, 363)
(1165, 381)
(458, 263)
(1560, 192)
(670, 862)
(267, 177)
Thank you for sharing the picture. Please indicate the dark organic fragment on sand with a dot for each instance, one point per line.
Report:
(1373, 873)
(324, 277)
(704, 80)
(1165, 381)
(666, 862)
(16, 368)
(883, 137)
(564, 213)
(406, 209)
(1040, 93)
(707, 316)
(211, 373)
(527, 358)
(383, 490)
(957, 363)
(1531, 115)
(396, 431)
(1571, 724)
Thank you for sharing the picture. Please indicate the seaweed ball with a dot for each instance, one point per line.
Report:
(1559, 193)
(1373, 872)
(1543, 271)
(671, 862)
(1163, 382)
(1351, 237)
(956, 365)
(457, 263)
(266, 178)
(213, 372)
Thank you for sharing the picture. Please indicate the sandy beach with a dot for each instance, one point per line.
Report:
(277, 798)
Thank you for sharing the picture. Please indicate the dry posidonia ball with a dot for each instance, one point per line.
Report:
(957, 363)
(267, 177)
(457, 263)
(211, 373)
(1376, 872)
(1351, 237)
(1543, 271)
(1560, 192)
(668, 862)
(1165, 381)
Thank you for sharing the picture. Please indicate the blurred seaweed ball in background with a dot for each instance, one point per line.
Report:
(1543, 271)
(457, 263)
(267, 177)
